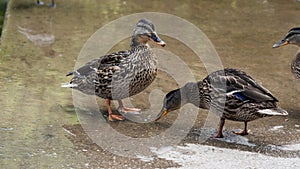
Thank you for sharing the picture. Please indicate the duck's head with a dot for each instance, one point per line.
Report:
(172, 101)
(143, 32)
(179, 97)
(292, 37)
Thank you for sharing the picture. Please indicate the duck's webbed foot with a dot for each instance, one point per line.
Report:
(123, 109)
(114, 117)
(220, 128)
(129, 110)
(242, 132)
(219, 135)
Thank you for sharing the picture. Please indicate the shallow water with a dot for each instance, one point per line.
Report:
(38, 117)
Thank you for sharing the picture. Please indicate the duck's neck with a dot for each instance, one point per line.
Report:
(194, 93)
(190, 93)
(176, 99)
(295, 65)
(297, 58)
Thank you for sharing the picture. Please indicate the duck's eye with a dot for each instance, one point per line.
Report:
(144, 35)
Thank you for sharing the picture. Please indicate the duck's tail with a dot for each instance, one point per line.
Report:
(70, 73)
(69, 85)
(277, 111)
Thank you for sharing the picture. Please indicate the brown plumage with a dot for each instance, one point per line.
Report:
(230, 93)
(121, 74)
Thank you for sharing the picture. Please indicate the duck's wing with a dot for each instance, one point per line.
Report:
(247, 87)
(102, 64)
(97, 75)
(242, 86)
(114, 58)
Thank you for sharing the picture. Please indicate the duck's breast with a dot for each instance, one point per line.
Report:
(136, 73)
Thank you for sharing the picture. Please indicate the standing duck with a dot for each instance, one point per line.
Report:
(231, 93)
(38, 2)
(122, 74)
(292, 37)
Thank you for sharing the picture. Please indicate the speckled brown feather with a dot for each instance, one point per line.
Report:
(118, 75)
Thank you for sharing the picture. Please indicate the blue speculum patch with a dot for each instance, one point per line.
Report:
(241, 96)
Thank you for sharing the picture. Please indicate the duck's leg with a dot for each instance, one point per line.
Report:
(220, 128)
(243, 132)
(111, 116)
(123, 109)
(38, 2)
(52, 4)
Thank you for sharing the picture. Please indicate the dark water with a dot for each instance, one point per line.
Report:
(41, 44)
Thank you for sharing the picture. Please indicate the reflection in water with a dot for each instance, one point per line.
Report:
(41, 40)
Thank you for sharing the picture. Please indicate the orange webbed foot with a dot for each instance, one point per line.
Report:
(114, 117)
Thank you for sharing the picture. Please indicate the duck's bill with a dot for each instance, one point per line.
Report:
(162, 113)
(280, 43)
(157, 40)
(161, 43)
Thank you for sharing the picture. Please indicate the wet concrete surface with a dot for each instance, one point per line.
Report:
(39, 126)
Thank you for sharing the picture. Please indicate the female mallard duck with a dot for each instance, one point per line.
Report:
(122, 74)
(292, 37)
(246, 100)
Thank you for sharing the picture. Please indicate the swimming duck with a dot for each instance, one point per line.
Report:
(292, 37)
(231, 93)
(122, 74)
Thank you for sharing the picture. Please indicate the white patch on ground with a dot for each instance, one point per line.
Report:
(144, 158)
(236, 139)
(276, 128)
(194, 156)
(229, 137)
(290, 147)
